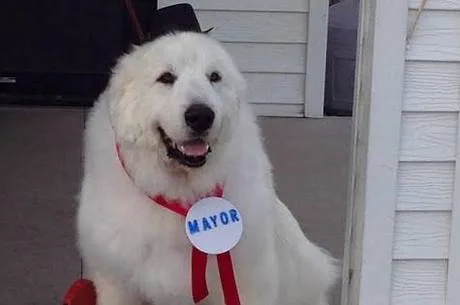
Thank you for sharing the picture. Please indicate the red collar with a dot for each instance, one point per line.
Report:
(180, 207)
(175, 205)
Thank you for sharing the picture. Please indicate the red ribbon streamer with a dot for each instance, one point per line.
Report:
(199, 285)
(199, 258)
(227, 279)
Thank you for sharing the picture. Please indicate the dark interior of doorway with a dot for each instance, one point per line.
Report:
(341, 57)
(61, 52)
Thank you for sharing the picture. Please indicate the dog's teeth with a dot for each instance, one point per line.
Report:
(181, 148)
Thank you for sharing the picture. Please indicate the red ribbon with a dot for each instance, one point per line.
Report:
(199, 259)
(199, 285)
(227, 279)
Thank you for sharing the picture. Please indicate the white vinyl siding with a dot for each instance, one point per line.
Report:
(428, 136)
(425, 186)
(421, 235)
(419, 282)
(436, 36)
(425, 243)
(432, 86)
(405, 188)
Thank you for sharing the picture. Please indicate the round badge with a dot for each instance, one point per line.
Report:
(214, 225)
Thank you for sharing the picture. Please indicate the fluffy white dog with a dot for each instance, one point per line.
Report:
(175, 108)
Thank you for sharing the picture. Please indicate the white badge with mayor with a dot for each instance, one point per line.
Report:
(214, 225)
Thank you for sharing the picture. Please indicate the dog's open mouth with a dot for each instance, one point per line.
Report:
(190, 153)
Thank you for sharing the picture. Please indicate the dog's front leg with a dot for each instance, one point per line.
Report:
(109, 292)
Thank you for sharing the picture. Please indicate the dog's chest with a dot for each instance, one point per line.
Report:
(165, 269)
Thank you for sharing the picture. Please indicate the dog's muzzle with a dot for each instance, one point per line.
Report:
(192, 153)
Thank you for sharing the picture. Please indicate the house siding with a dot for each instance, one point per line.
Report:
(425, 246)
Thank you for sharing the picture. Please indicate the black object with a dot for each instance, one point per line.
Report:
(174, 18)
(61, 52)
(199, 117)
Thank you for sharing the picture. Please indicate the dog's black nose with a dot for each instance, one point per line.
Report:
(199, 117)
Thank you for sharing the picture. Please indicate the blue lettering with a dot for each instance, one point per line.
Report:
(224, 218)
(193, 227)
(214, 220)
(206, 225)
(234, 215)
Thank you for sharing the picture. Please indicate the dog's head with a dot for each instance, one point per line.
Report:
(177, 96)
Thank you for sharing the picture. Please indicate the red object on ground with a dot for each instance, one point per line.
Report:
(82, 292)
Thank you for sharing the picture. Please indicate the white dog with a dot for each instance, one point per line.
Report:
(175, 108)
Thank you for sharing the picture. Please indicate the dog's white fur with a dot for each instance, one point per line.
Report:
(135, 250)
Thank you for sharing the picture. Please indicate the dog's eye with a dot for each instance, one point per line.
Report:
(215, 77)
(167, 78)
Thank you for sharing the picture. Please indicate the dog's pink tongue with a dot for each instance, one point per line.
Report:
(195, 148)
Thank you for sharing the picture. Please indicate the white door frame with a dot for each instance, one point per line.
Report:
(376, 134)
(315, 70)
